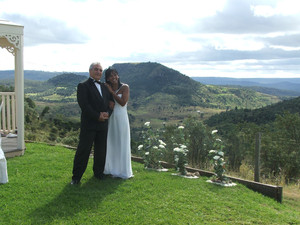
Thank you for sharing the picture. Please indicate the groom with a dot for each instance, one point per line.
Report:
(94, 99)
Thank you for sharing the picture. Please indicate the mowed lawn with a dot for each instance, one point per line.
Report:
(38, 192)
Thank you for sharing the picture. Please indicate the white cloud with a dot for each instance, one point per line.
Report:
(198, 38)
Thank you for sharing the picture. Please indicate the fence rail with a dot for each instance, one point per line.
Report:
(7, 112)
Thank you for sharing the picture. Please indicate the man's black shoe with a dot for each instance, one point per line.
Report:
(75, 182)
(99, 177)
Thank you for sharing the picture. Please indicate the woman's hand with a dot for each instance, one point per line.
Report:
(111, 105)
(109, 88)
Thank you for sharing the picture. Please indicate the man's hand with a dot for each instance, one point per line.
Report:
(103, 116)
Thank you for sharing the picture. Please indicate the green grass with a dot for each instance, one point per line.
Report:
(38, 192)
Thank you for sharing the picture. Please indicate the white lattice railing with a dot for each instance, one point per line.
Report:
(7, 112)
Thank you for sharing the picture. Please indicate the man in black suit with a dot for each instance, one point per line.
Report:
(94, 100)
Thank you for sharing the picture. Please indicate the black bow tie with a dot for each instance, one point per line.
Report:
(97, 81)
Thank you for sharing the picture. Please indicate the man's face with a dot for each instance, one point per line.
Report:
(96, 72)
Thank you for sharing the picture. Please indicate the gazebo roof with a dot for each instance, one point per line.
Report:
(10, 27)
(3, 21)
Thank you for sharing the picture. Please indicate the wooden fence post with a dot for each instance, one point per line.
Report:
(257, 157)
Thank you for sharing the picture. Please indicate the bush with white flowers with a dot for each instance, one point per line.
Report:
(153, 147)
(181, 159)
(180, 152)
(217, 158)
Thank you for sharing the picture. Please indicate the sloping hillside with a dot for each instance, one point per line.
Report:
(259, 116)
(61, 88)
(274, 86)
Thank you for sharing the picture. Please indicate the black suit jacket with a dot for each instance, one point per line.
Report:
(92, 103)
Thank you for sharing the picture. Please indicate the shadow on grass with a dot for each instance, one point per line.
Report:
(73, 199)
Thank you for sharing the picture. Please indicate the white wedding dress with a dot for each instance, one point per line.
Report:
(118, 156)
(3, 166)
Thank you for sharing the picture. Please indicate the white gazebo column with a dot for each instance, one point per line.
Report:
(11, 38)
(19, 90)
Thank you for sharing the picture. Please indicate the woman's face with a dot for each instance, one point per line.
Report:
(113, 78)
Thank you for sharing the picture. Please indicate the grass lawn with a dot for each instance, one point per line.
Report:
(38, 192)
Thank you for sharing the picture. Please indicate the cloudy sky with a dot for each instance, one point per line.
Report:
(228, 38)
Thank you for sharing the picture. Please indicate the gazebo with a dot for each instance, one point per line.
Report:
(12, 103)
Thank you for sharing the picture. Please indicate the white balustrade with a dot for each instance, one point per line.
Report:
(7, 112)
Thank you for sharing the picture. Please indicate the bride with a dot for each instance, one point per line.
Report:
(118, 157)
(3, 166)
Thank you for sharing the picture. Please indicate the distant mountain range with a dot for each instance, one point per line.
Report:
(156, 92)
(282, 86)
(272, 86)
(151, 84)
(33, 74)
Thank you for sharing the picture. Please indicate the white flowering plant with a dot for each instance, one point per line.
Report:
(153, 147)
(180, 159)
(180, 151)
(217, 159)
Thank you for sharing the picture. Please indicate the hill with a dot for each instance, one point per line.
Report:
(29, 75)
(283, 94)
(33, 75)
(61, 88)
(274, 86)
(149, 81)
(153, 83)
(258, 116)
(66, 80)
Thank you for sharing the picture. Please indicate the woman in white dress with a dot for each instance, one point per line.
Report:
(3, 165)
(118, 156)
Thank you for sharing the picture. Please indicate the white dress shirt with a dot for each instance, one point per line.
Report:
(98, 86)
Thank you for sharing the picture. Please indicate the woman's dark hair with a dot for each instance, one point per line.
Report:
(109, 72)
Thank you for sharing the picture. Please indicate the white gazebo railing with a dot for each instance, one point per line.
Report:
(8, 112)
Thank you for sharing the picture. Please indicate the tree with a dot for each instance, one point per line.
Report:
(199, 142)
(287, 134)
(45, 111)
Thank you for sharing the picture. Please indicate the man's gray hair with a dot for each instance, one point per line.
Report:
(94, 64)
